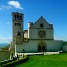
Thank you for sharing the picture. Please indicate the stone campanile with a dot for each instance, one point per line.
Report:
(17, 25)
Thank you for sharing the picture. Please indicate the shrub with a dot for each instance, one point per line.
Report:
(6, 61)
(16, 62)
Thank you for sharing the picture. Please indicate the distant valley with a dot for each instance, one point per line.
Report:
(3, 44)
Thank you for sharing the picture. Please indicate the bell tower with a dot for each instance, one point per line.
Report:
(17, 25)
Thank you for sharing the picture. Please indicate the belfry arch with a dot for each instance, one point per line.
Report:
(41, 46)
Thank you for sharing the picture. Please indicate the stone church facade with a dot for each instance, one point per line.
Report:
(39, 37)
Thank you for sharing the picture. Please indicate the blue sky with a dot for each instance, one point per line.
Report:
(54, 11)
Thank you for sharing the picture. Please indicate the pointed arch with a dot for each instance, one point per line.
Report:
(41, 46)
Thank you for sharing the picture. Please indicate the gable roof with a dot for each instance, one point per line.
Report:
(41, 20)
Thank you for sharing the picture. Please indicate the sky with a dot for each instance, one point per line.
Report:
(54, 11)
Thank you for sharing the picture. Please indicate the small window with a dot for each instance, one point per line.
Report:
(15, 24)
(41, 25)
(20, 17)
(19, 24)
(14, 17)
(17, 17)
(19, 34)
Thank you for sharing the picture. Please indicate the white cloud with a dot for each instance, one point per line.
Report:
(5, 39)
(15, 4)
(11, 5)
(2, 7)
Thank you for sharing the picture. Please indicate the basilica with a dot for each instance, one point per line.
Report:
(39, 37)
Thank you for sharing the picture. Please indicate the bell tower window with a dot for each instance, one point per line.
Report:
(20, 17)
(15, 24)
(41, 25)
(17, 17)
(14, 17)
(18, 34)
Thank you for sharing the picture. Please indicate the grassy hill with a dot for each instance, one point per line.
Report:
(59, 60)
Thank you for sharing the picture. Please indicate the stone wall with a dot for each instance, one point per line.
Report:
(32, 45)
(64, 47)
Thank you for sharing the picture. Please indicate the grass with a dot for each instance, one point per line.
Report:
(59, 60)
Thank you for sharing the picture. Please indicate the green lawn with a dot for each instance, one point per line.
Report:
(46, 61)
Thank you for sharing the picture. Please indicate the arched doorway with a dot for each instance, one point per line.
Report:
(41, 47)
